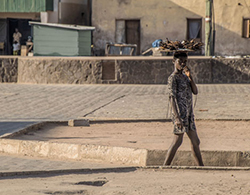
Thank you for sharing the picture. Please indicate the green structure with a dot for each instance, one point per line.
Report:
(61, 40)
(26, 5)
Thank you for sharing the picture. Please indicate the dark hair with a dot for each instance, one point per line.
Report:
(179, 54)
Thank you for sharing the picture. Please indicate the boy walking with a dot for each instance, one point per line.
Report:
(181, 86)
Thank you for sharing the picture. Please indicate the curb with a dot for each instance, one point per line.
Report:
(121, 120)
(212, 168)
(118, 170)
(69, 171)
(125, 155)
(66, 151)
(94, 120)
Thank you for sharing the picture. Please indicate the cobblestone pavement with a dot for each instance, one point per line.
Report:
(24, 104)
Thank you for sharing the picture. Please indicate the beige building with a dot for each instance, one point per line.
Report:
(143, 21)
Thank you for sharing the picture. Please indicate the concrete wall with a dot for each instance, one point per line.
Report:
(130, 70)
(161, 19)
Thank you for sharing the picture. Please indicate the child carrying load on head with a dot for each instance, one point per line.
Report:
(181, 87)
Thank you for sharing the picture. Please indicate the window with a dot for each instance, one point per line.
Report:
(194, 29)
(246, 27)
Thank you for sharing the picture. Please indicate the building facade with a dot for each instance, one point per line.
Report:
(142, 22)
(17, 14)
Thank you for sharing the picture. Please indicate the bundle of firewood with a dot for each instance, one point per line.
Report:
(181, 45)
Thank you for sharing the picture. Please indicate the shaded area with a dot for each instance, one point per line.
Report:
(11, 127)
(82, 192)
(92, 183)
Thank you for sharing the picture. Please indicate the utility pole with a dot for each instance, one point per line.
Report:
(208, 28)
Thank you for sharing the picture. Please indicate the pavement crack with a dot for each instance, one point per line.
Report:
(120, 97)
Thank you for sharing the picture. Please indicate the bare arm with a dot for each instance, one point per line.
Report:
(192, 83)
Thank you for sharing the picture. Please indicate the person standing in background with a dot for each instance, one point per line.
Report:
(16, 38)
(16, 48)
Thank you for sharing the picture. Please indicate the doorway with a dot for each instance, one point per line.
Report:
(129, 31)
(132, 33)
(23, 27)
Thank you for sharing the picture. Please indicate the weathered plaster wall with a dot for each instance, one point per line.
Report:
(229, 24)
(8, 70)
(140, 70)
(161, 19)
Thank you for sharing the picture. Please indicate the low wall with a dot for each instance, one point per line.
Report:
(123, 70)
(101, 70)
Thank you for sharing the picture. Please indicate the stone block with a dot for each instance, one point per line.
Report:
(183, 158)
(9, 146)
(34, 148)
(78, 122)
(186, 158)
(244, 159)
(128, 156)
(220, 158)
(64, 151)
(156, 157)
(94, 152)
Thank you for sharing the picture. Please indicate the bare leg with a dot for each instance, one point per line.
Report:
(177, 141)
(195, 147)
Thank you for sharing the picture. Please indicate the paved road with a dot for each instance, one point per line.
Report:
(24, 104)
(12, 163)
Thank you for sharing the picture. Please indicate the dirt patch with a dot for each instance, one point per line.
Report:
(174, 182)
(214, 135)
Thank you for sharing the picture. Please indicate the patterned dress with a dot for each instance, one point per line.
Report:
(180, 88)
